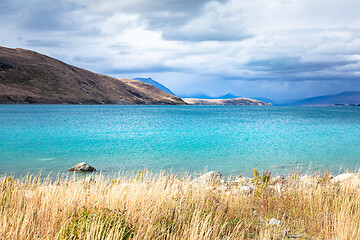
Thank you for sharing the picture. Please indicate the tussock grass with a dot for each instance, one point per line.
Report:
(169, 207)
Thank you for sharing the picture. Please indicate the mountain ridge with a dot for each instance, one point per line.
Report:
(343, 98)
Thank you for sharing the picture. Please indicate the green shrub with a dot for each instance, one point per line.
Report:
(264, 179)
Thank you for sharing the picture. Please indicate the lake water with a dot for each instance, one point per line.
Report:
(229, 139)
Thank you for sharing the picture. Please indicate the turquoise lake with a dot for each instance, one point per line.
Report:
(229, 139)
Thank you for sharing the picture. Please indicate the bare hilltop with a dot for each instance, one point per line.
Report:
(29, 77)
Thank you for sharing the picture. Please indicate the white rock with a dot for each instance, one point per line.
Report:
(277, 179)
(238, 179)
(29, 194)
(347, 179)
(342, 177)
(222, 188)
(308, 180)
(274, 221)
(243, 180)
(277, 187)
(212, 177)
(245, 188)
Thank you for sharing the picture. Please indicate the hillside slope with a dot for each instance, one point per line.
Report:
(30, 77)
(233, 101)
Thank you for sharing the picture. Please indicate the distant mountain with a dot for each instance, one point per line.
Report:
(227, 96)
(328, 100)
(205, 96)
(30, 77)
(198, 95)
(265, 99)
(155, 84)
(233, 101)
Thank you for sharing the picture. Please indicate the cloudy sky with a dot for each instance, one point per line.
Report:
(280, 49)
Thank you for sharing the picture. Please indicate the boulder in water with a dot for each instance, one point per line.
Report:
(82, 167)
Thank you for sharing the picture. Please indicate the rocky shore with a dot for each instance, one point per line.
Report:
(213, 180)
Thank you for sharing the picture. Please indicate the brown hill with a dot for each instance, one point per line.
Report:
(30, 77)
(232, 101)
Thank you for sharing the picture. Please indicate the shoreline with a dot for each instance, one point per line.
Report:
(130, 173)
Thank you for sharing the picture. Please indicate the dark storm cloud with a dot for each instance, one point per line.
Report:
(166, 13)
(293, 65)
(181, 20)
(39, 15)
(295, 77)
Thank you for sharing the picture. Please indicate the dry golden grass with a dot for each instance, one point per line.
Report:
(169, 207)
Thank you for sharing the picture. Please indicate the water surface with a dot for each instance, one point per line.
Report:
(230, 139)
